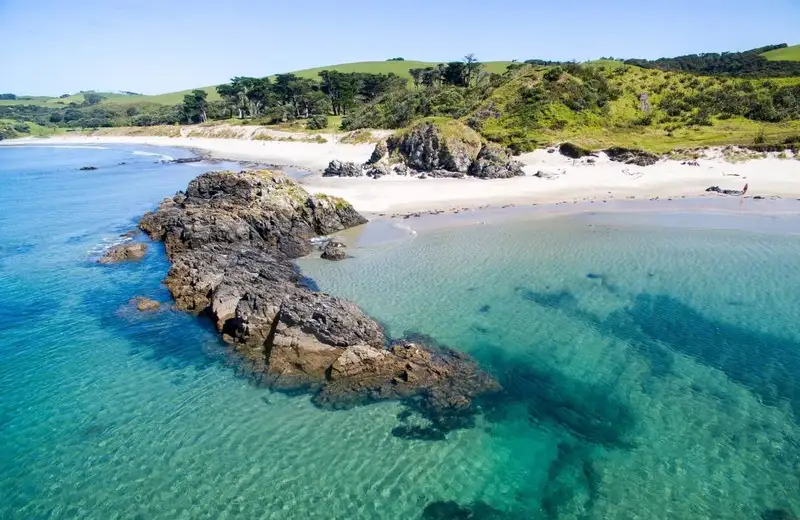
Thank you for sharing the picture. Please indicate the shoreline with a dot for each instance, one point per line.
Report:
(561, 180)
(706, 212)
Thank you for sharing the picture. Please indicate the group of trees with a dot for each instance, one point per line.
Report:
(456, 73)
(748, 64)
(288, 97)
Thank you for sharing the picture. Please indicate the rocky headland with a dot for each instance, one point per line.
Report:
(231, 238)
(433, 147)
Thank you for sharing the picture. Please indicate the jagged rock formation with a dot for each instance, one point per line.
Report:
(495, 162)
(436, 144)
(338, 168)
(435, 147)
(230, 239)
(124, 253)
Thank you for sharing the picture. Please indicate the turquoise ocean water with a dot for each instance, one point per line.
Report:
(651, 369)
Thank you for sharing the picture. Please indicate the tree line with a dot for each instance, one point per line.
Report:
(747, 64)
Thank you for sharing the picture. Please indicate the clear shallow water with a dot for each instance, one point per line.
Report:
(664, 386)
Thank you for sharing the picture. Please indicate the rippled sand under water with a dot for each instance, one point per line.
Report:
(664, 385)
(653, 370)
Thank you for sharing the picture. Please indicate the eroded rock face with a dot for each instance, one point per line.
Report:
(338, 168)
(124, 253)
(437, 145)
(230, 239)
(495, 162)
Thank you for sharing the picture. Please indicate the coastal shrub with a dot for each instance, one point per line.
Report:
(317, 122)
(573, 151)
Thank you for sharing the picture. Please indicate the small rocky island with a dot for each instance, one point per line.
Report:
(231, 238)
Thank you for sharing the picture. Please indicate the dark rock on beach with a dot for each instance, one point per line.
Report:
(338, 168)
(631, 156)
(334, 251)
(434, 144)
(495, 162)
(231, 239)
(574, 151)
(717, 189)
(124, 253)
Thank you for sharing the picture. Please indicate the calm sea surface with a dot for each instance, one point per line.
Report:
(651, 368)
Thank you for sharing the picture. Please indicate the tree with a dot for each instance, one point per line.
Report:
(8, 96)
(455, 73)
(195, 106)
(92, 98)
(473, 68)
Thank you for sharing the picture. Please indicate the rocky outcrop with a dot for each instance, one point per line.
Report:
(230, 239)
(124, 253)
(631, 156)
(717, 189)
(495, 162)
(436, 144)
(146, 304)
(338, 168)
(334, 251)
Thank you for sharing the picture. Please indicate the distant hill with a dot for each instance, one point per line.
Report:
(785, 54)
(400, 68)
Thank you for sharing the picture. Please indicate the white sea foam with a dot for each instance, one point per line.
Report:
(163, 156)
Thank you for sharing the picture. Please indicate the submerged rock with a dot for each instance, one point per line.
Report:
(334, 251)
(146, 304)
(338, 168)
(124, 253)
(87, 168)
(230, 239)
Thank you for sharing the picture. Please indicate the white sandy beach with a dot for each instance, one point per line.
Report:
(574, 180)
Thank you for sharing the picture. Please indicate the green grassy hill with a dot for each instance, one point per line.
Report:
(787, 54)
(400, 68)
(531, 111)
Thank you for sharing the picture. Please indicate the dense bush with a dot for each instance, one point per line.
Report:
(318, 122)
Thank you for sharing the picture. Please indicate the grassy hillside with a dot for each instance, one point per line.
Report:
(532, 110)
(400, 68)
(787, 54)
(56, 102)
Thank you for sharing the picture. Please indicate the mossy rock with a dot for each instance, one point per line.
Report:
(436, 143)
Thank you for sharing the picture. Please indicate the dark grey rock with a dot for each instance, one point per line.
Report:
(437, 145)
(495, 162)
(334, 251)
(631, 156)
(379, 153)
(338, 168)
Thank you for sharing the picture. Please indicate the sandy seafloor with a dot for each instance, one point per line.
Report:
(648, 349)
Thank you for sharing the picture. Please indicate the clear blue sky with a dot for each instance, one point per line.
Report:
(49, 47)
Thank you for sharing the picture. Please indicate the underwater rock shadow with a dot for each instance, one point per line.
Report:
(657, 325)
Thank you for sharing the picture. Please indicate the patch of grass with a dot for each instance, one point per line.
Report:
(787, 54)
(359, 137)
(145, 131)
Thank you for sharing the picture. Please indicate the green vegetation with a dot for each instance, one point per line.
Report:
(11, 129)
(661, 105)
(747, 64)
(784, 54)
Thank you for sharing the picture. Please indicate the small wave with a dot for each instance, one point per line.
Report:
(106, 244)
(153, 154)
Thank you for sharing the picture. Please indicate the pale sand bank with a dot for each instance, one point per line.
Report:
(572, 180)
